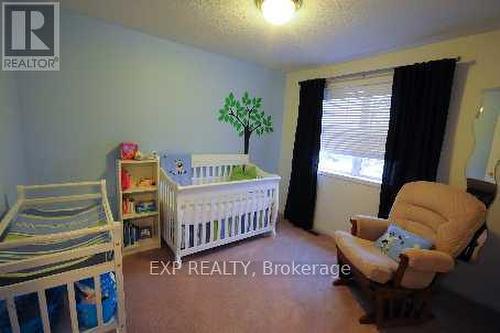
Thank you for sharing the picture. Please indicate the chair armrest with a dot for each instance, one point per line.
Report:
(368, 227)
(429, 260)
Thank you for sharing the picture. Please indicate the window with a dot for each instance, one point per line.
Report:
(354, 127)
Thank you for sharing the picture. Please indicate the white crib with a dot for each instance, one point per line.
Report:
(214, 211)
(46, 197)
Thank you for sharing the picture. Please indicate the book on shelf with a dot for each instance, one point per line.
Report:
(131, 234)
(130, 207)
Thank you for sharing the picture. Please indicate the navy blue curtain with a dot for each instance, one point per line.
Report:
(419, 110)
(301, 198)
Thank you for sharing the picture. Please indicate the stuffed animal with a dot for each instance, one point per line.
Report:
(138, 156)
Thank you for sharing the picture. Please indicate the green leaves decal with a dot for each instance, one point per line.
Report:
(245, 115)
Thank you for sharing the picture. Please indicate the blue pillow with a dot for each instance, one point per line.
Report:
(397, 239)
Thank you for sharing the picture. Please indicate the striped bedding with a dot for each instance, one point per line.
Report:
(46, 220)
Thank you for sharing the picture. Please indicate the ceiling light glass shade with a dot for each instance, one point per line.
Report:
(278, 12)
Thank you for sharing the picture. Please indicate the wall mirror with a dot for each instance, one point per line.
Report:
(483, 169)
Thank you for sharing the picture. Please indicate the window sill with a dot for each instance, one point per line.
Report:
(353, 179)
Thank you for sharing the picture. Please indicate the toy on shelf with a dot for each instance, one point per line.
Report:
(128, 150)
(152, 156)
(140, 156)
(146, 182)
(126, 179)
(145, 207)
(145, 232)
(130, 206)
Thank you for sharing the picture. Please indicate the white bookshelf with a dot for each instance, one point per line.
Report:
(140, 169)
(140, 190)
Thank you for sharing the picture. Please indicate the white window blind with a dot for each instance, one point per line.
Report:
(356, 116)
(356, 113)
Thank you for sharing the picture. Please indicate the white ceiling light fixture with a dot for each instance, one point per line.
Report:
(278, 12)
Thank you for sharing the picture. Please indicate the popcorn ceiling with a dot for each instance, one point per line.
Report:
(323, 31)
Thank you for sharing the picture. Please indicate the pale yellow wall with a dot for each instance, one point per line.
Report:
(479, 70)
(338, 199)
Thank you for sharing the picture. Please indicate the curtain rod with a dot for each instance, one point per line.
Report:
(375, 71)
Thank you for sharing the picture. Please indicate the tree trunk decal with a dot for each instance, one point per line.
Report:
(246, 141)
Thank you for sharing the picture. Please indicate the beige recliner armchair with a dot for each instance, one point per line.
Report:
(447, 216)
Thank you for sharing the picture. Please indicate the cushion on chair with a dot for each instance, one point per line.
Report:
(376, 266)
(367, 258)
(396, 239)
(445, 215)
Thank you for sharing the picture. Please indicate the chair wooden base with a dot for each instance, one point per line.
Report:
(367, 318)
(393, 306)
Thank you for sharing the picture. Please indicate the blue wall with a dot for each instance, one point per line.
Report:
(118, 84)
(12, 171)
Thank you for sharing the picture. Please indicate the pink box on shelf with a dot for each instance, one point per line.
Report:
(128, 150)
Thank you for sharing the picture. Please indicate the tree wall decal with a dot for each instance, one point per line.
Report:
(246, 117)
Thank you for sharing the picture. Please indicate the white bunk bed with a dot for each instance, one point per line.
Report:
(214, 211)
(56, 236)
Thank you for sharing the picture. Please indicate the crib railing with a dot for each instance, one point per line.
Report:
(215, 167)
(207, 214)
(213, 221)
(67, 279)
(168, 208)
(112, 252)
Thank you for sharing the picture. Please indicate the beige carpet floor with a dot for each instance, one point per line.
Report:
(245, 303)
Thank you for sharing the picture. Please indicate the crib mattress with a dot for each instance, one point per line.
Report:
(35, 221)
